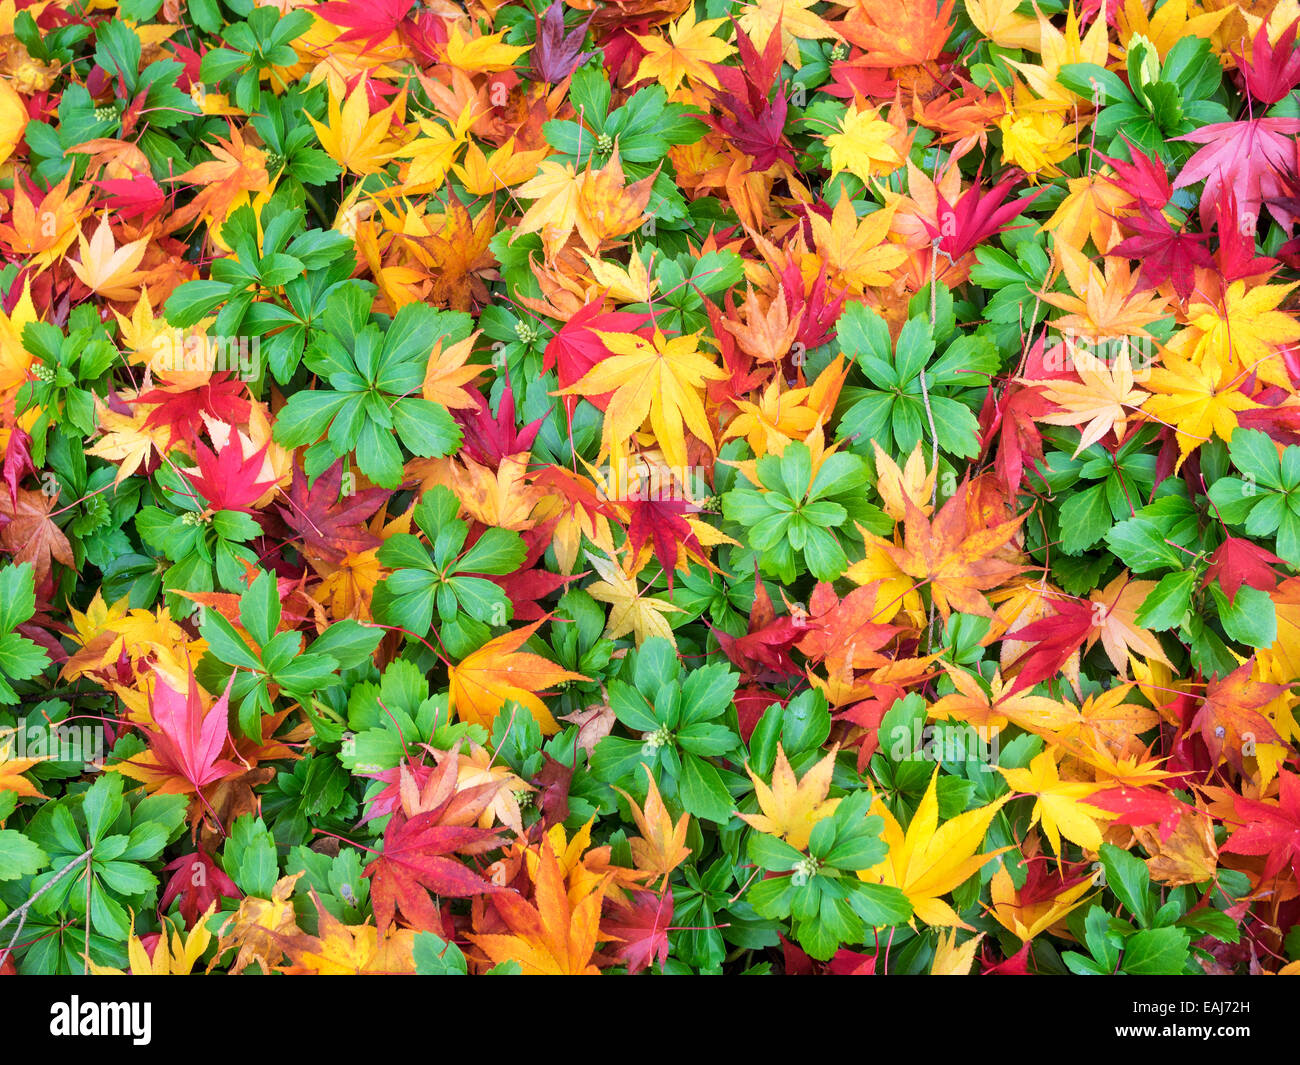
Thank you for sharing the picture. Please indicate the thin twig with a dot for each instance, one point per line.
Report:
(21, 912)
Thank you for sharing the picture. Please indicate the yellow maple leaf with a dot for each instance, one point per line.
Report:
(1244, 336)
(126, 440)
(351, 950)
(687, 52)
(856, 251)
(952, 960)
(497, 673)
(1198, 401)
(662, 379)
(865, 144)
(1058, 48)
(1059, 808)
(13, 119)
(798, 22)
(792, 807)
(434, 151)
(480, 55)
(1168, 24)
(482, 175)
(554, 213)
(1088, 210)
(1037, 134)
(14, 358)
(631, 610)
(354, 138)
(993, 709)
(176, 957)
(929, 860)
(261, 928)
(999, 21)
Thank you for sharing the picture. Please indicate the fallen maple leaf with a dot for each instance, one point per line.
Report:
(497, 673)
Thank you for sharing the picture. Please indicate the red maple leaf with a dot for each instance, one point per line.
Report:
(490, 439)
(221, 397)
(134, 197)
(185, 741)
(1236, 562)
(18, 460)
(752, 122)
(1011, 417)
(369, 21)
(1145, 178)
(330, 526)
(1235, 257)
(198, 882)
(1272, 70)
(1054, 639)
(228, 479)
(1141, 806)
(1165, 254)
(975, 216)
(763, 653)
(640, 927)
(1271, 829)
(415, 862)
(530, 582)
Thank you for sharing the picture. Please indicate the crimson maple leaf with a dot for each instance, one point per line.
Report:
(134, 197)
(1011, 417)
(1141, 806)
(331, 527)
(1235, 258)
(198, 882)
(228, 479)
(1165, 253)
(763, 653)
(1270, 829)
(662, 522)
(640, 928)
(18, 460)
(221, 397)
(816, 311)
(530, 583)
(752, 122)
(415, 862)
(1145, 178)
(1054, 639)
(1272, 70)
(1236, 562)
(489, 439)
(975, 216)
